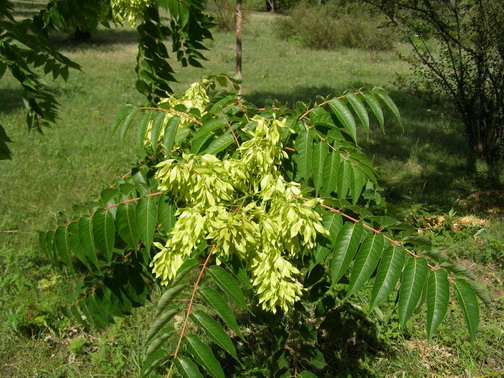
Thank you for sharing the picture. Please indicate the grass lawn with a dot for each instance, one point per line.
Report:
(421, 171)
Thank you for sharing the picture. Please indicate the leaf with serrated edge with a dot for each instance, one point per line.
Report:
(389, 103)
(168, 296)
(87, 240)
(344, 116)
(170, 132)
(204, 356)
(332, 222)
(330, 176)
(319, 155)
(214, 299)
(345, 247)
(144, 121)
(167, 217)
(438, 291)
(128, 120)
(161, 322)
(469, 304)
(147, 213)
(121, 115)
(221, 143)
(374, 104)
(214, 331)
(152, 361)
(187, 368)
(387, 275)
(157, 125)
(412, 284)
(304, 150)
(127, 224)
(205, 132)
(186, 267)
(76, 245)
(360, 109)
(358, 181)
(104, 232)
(344, 178)
(365, 262)
(227, 283)
(62, 247)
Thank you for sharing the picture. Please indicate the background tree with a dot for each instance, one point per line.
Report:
(25, 46)
(468, 67)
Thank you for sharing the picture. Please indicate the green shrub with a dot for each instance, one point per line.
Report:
(223, 12)
(331, 26)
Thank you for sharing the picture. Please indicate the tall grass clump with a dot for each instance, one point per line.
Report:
(331, 26)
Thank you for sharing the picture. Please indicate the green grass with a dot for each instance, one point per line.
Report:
(425, 164)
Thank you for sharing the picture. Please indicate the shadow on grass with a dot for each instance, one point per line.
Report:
(10, 100)
(348, 341)
(100, 38)
(427, 162)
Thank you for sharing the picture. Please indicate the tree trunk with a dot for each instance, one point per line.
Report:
(239, 73)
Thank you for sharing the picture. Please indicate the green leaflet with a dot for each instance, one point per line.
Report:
(345, 117)
(157, 125)
(104, 232)
(204, 133)
(227, 284)
(169, 134)
(127, 228)
(128, 120)
(167, 217)
(365, 262)
(123, 112)
(374, 104)
(360, 109)
(144, 121)
(438, 291)
(214, 299)
(469, 304)
(345, 247)
(388, 103)
(330, 174)
(87, 240)
(168, 296)
(387, 275)
(319, 156)
(152, 361)
(412, 284)
(204, 356)
(332, 222)
(304, 151)
(358, 181)
(344, 178)
(157, 343)
(313, 356)
(214, 331)
(161, 322)
(221, 143)
(147, 214)
(187, 368)
(62, 246)
(76, 246)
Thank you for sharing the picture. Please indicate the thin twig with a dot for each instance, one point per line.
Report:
(189, 306)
